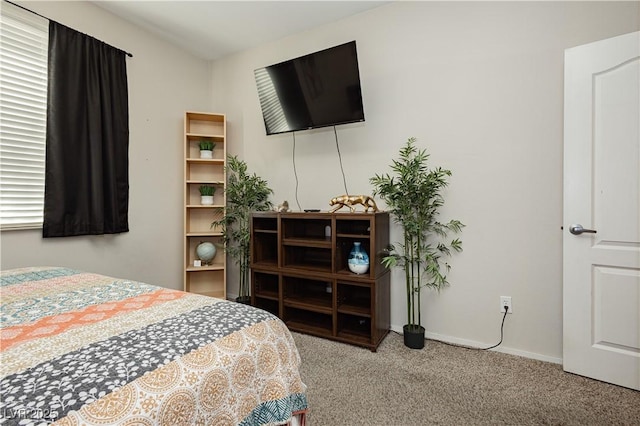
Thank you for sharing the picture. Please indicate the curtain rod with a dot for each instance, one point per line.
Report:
(44, 17)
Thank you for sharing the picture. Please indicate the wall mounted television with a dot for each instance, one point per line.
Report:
(316, 90)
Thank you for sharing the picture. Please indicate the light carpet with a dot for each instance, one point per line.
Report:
(445, 385)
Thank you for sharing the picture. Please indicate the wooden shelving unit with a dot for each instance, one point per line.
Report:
(211, 279)
(300, 273)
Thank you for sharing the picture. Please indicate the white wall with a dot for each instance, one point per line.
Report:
(481, 87)
(164, 82)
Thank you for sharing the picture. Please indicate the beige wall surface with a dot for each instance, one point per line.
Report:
(479, 84)
(481, 87)
(164, 82)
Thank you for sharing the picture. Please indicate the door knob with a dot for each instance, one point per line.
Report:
(578, 229)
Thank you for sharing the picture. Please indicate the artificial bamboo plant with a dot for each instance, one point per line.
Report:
(413, 195)
(246, 193)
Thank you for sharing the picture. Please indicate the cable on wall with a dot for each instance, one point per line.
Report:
(344, 180)
(295, 173)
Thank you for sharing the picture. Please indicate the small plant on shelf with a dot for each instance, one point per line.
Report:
(207, 190)
(206, 148)
(246, 193)
(206, 145)
(206, 194)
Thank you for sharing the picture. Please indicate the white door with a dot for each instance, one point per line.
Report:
(601, 278)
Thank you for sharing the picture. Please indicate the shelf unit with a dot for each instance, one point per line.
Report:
(210, 279)
(300, 273)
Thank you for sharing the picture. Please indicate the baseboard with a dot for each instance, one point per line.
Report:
(474, 344)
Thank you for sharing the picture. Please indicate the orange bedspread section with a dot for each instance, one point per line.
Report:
(56, 324)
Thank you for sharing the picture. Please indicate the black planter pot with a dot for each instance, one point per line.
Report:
(245, 300)
(413, 336)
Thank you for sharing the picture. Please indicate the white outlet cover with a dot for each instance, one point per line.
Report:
(506, 300)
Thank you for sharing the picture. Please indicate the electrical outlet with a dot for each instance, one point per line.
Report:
(506, 301)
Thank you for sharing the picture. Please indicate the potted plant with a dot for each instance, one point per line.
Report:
(413, 195)
(246, 193)
(206, 148)
(206, 194)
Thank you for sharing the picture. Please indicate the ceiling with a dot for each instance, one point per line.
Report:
(214, 29)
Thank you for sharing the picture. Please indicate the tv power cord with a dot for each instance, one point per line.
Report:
(344, 179)
(455, 345)
(295, 172)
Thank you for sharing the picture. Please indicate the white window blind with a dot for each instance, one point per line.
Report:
(24, 38)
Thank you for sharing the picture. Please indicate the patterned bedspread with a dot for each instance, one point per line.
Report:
(85, 349)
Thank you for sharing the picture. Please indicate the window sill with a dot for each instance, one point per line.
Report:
(20, 227)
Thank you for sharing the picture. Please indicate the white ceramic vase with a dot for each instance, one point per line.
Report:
(206, 200)
(206, 154)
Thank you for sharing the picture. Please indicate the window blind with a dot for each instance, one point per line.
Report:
(23, 106)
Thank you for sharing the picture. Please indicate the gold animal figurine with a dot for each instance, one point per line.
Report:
(351, 201)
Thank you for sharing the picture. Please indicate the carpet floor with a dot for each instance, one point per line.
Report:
(445, 385)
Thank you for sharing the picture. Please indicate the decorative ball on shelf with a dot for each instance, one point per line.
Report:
(206, 251)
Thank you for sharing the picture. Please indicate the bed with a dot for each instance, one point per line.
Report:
(79, 348)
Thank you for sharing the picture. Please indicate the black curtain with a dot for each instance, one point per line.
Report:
(87, 147)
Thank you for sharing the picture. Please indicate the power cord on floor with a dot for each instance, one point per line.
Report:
(506, 310)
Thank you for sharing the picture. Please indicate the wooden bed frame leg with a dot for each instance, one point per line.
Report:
(302, 417)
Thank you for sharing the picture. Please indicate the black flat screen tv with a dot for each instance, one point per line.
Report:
(316, 90)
